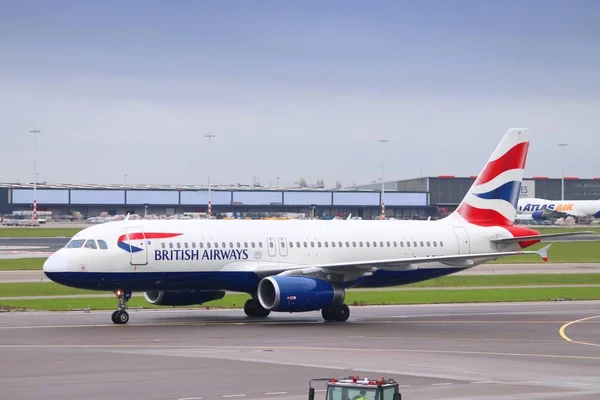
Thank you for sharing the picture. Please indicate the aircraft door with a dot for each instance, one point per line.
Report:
(271, 247)
(464, 245)
(134, 242)
(283, 247)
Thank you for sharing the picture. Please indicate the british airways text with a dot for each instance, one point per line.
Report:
(191, 255)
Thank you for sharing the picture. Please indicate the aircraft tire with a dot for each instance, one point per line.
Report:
(114, 317)
(327, 314)
(122, 317)
(340, 312)
(253, 309)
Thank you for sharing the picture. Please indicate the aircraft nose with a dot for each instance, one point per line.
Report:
(57, 262)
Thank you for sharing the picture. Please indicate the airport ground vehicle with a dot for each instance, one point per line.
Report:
(356, 388)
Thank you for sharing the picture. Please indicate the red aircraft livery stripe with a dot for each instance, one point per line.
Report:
(147, 235)
(482, 217)
(515, 158)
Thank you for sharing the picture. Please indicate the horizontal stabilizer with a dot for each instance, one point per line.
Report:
(542, 237)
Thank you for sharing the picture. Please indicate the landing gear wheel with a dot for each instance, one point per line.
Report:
(253, 309)
(121, 316)
(340, 312)
(327, 314)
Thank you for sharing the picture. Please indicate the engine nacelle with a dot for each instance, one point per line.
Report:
(538, 215)
(297, 293)
(188, 298)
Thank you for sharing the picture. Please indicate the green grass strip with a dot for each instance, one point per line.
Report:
(20, 264)
(38, 232)
(352, 298)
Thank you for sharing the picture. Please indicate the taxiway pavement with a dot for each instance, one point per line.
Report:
(461, 351)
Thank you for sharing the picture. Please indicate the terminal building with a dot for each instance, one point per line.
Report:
(418, 198)
(92, 200)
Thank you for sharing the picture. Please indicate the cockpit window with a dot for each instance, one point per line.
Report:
(102, 244)
(75, 244)
(90, 244)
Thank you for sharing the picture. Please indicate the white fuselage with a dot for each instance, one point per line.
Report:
(249, 247)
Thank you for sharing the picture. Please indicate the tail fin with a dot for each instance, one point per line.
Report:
(492, 199)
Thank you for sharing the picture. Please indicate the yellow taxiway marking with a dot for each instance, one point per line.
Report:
(290, 348)
(562, 333)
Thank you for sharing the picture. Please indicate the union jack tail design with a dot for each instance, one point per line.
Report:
(492, 200)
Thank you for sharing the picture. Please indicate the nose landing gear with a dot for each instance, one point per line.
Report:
(121, 316)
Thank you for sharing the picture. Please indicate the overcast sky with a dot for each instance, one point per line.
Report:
(294, 89)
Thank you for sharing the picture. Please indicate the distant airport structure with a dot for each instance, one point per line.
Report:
(404, 199)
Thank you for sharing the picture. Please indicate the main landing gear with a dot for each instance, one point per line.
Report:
(336, 312)
(121, 316)
(253, 309)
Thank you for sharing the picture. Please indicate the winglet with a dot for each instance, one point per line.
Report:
(543, 252)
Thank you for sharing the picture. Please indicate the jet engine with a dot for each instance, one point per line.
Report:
(538, 215)
(188, 298)
(297, 294)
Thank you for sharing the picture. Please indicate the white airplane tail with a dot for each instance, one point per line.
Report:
(492, 199)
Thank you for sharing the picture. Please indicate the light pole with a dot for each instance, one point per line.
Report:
(35, 132)
(210, 138)
(562, 173)
(383, 142)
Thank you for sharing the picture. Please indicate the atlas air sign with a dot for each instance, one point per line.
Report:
(564, 207)
(134, 242)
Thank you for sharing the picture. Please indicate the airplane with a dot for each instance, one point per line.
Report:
(542, 209)
(300, 265)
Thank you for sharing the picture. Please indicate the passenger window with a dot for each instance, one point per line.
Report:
(178, 245)
(246, 244)
(407, 244)
(170, 245)
(90, 244)
(414, 244)
(216, 245)
(282, 245)
(441, 244)
(305, 244)
(224, 245)
(353, 244)
(231, 245)
(312, 244)
(421, 244)
(388, 244)
(291, 244)
(381, 244)
(102, 244)
(238, 245)
(332, 244)
(434, 243)
(348, 244)
(319, 244)
(360, 244)
(163, 245)
(253, 245)
(298, 244)
(271, 244)
(185, 245)
(428, 244)
(374, 244)
(193, 245)
(368, 244)
(395, 244)
(208, 245)
(201, 245)
(340, 244)
(260, 245)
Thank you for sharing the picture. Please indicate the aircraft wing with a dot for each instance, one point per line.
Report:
(402, 264)
(351, 270)
(542, 237)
